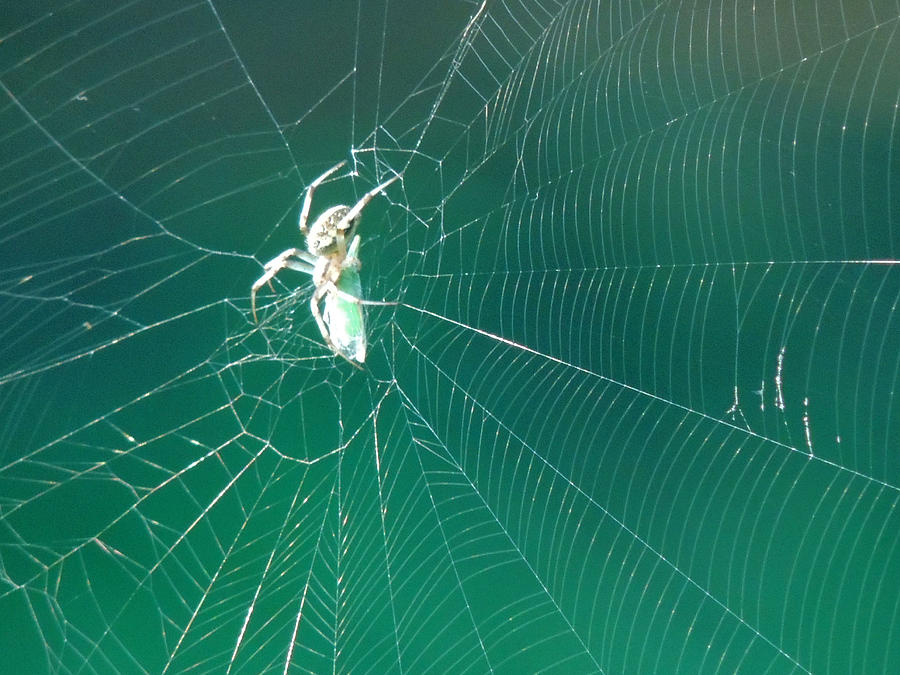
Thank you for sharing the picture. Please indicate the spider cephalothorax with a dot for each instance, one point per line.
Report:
(327, 231)
(332, 247)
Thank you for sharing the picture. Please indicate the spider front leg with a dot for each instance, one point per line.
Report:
(349, 222)
(307, 200)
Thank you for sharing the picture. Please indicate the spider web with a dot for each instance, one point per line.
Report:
(634, 410)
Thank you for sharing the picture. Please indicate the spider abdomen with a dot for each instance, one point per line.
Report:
(324, 234)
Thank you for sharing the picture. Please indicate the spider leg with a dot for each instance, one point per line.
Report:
(301, 261)
(307, 200)
(292, 258)
(351, 220)
(314, 301)
(343, 295)
(299, 266)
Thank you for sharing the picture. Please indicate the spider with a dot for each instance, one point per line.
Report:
(334, 267)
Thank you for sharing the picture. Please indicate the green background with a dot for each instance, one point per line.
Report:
(634, 410)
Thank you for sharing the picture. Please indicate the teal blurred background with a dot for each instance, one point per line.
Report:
(634, 410)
